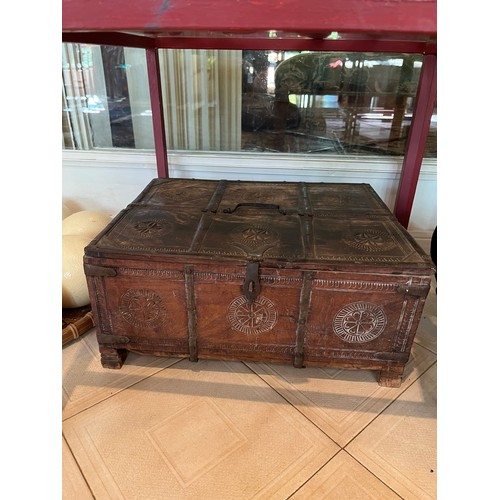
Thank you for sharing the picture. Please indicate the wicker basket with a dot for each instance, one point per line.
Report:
(76, 322)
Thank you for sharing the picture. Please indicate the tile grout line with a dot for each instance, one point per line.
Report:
(173, 364)
(373, 474)
(98, 403)
(343, 448)
(288, 402)
(281, 397)
(390, 404)
(64, 419)
(425, 347)
(383, 411)
(294, 407)
(367, 425)
(78, 465)
(309, 479)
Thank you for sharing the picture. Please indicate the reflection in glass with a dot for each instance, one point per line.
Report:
(105, 97)
(202, 99)
(328, 103)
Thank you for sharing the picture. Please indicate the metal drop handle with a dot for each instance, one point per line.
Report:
(260, 206)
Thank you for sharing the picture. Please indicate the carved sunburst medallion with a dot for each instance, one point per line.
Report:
(371, 241)
(255, 236)
(254, 239)
(151, 227)
(258, 317)
(359, 322)
(338, 200)
(172, 193)
(142, 307)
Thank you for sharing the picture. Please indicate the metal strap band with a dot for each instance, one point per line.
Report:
(191, 312)
(305, 303)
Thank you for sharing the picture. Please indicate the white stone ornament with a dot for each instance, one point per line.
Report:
(74, 284)
(85, 223)
(66, 212)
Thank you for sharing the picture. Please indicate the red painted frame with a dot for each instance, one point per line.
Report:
(157, 111)
(380, 17)
(407, 26)
(417, 137)
(254, 43)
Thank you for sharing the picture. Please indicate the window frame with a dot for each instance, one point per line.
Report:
(423, 107)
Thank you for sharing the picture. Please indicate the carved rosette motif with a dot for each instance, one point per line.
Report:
(142, 307)
(371, 241)
(359, 322)
(337, 200)
(258, 317)
(151, 227)
(254, 238)
(192, 194)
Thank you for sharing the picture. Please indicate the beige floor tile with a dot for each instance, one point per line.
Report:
(197, 431)
(426, 335)
(74, 486)
(399, 447)
(340, 402)
(344, 479)
(86, 382)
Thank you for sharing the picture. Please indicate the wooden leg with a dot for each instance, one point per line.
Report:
(112, 358)
(391, 377)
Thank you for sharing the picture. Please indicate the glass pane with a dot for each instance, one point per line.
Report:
(105, 97)
(332, 102)
(202, 99)
(431, 143)
(328, 103)
(336, 103)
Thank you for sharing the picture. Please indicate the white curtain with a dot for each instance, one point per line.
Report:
(140, 102)
(202, 99)
(74, 100)
(86, 122)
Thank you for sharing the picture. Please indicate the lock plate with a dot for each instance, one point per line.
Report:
(251, 286)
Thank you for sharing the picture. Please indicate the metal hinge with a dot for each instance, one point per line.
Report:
(93, 270)
(414, 290)
(401, 357)
(103, 338)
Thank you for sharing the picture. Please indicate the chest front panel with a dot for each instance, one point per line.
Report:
(309, 274)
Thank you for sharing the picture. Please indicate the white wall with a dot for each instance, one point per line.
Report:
(108, 180)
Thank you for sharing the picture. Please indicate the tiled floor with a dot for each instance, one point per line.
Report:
(164, 428)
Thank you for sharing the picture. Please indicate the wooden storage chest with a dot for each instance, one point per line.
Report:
(311, 274)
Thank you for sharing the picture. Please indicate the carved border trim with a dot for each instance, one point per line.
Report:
(104, 319)
(150, 249)
(159, 342)
(361, 258)
(325, 352)
(209, 276)
(127, 271)
(235, 348)
(355, 285)
(317, 282)
(405, 325)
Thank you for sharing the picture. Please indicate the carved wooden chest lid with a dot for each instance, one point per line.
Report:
(271, 222)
